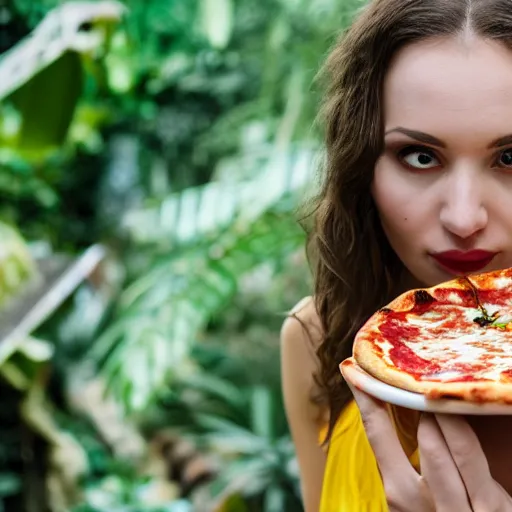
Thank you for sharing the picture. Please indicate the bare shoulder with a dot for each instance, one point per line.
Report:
(301, 335)
(303, 323)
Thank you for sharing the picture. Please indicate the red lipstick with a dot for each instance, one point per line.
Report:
(463, 262)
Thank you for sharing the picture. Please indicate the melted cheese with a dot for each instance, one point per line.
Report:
(468, 349)
(447, 347)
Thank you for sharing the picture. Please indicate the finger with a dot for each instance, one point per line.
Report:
(467, 454)
(380, 431)
(439, 469)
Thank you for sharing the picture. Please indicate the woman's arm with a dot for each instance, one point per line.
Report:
(298, 364)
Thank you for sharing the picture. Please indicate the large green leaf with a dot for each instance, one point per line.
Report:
(44, 124)
(61, 31)
(42, 76)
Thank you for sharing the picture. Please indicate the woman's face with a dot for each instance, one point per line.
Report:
(443, 185)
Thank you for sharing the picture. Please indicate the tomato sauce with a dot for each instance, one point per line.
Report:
(395, 328)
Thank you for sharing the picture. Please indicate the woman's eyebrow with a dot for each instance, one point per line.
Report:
(502, 141)
(419, 136)
(506, 140)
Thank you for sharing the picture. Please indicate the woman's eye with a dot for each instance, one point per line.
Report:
(505, 158)
(420, 158)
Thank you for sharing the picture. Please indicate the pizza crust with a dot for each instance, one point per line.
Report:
(483, 391)
(369, 356)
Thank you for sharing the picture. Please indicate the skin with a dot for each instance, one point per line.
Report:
(433, 199)
(452, 193)
(298, 365)
(455, 473)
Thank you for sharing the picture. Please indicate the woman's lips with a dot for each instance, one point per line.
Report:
(463, 262)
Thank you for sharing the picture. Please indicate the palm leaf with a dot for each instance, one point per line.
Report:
(184, 218)
(162, 313)
(158, 323)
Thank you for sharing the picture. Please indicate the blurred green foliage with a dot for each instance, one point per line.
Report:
(183, 138)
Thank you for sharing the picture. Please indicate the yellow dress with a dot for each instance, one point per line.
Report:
(352, 481)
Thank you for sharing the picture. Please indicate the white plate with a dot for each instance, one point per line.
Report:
(419, 402)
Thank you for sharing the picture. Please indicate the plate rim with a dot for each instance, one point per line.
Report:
(419, 402)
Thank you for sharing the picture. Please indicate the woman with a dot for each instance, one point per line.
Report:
(419, 161)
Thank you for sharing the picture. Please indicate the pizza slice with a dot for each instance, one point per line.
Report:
(453, 340)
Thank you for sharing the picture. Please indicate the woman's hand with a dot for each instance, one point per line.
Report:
(455, 474)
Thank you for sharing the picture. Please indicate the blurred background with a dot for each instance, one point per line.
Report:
(153, 158)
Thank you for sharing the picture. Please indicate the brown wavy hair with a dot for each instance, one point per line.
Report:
(356, 271)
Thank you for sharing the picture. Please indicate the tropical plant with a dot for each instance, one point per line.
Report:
(241, 423)
(185, 140)
(161, 314)
(192, 242)
(17, 267)
(31, 289)
(39, 139)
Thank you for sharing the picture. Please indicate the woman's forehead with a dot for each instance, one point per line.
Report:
(451, 86)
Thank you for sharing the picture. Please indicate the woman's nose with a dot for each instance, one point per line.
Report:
(463, 212)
